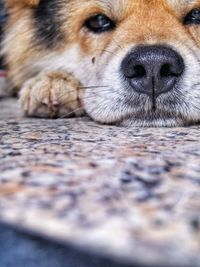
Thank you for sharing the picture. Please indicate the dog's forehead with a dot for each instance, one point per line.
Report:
(114, 5)
(120, 4)
(183, 3)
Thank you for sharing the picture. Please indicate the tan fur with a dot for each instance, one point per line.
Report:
(52, 94)
(14, 3)
(139, 22)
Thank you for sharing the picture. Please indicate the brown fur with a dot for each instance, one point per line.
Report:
(14, 3)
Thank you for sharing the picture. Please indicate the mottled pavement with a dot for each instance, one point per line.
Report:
(128, 194)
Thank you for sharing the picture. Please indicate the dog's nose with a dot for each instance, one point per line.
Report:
(153, 70)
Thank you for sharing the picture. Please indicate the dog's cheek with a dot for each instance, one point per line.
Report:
(93, 44)
(195, 34)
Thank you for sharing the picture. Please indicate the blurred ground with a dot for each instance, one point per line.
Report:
(127, 194)
(19, 250)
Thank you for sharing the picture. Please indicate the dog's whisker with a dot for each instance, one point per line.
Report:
(93, 87)
(38, 99)
(70, 113)
(75, 100)
(107, 51)
(80, 108)
(85, 98)
(70, 92)
(197, 84)
(118, 45)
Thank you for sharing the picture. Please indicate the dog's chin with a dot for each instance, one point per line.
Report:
(151, 120)
(157, 119)
(170, 122)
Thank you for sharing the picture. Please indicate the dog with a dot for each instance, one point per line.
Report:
(123, 62)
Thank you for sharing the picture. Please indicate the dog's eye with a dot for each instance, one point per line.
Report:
(100, 23)
(193, 17)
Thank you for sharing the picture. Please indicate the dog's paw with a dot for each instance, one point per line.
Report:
(51, 95)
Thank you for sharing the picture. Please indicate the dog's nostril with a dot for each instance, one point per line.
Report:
(139, 71)
(165, 70)
(135, 71)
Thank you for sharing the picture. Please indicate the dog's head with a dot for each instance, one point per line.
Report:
(139, 60)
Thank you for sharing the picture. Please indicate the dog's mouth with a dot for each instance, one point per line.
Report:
(149, 115)
(132, 109)
(148, 118)
(153, 119)
(168, 110)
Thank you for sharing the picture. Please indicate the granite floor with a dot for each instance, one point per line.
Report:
(129, 195)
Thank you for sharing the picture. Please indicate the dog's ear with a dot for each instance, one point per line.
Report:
(14, 3)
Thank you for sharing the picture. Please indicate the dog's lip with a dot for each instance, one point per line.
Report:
(154, 114)
(141, 118)
(156, 123)
(152, 117)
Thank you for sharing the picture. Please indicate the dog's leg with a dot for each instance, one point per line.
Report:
(51, 94)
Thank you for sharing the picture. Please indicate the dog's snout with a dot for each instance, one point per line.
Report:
(153, 70)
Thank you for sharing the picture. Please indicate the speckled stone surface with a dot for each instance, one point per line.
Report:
(131, 194)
